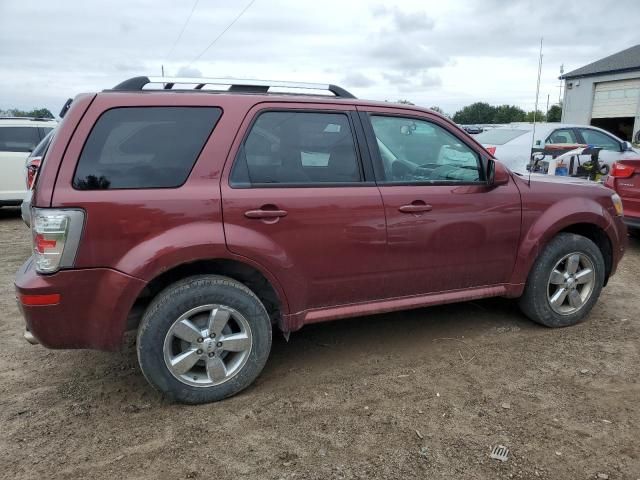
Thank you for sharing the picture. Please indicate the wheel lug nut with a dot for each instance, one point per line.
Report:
(219, 344)
(200, 339)
(212, 335)
(212, 354)
(199, 351)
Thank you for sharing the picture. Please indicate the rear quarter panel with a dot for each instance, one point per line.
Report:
(145, 232)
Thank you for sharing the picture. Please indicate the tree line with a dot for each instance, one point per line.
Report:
(483, 113)
(35, 113)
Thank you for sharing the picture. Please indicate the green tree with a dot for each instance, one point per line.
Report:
(555, 113)
(508, 114)
(478, 112)
(36, 112)
(437, 109)
(540, 117)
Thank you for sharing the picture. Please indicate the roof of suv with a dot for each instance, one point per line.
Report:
(264, 90)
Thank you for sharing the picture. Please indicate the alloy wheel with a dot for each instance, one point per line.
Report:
(208, 345)
(571, 283)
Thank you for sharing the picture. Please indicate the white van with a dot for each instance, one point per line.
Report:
(18, 137)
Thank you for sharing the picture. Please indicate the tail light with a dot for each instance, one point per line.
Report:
(32, 171)
(56, 235)
(491, 150)
(618, 170)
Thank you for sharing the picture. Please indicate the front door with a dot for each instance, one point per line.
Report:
(299, 200)
(611, 148)
(447, 229)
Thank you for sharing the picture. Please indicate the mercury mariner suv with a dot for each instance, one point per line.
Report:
(203, 214)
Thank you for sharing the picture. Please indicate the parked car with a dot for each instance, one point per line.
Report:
(18, 137)
(203, 220)
(32, 164)
(625, 180)
(511, 144)
(472, 129)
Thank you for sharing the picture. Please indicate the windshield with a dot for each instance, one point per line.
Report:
(499, 136)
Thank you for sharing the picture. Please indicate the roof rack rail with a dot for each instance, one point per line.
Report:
(235, 85)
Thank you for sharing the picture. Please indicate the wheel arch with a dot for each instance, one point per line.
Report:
(258, 281)
(591, 224)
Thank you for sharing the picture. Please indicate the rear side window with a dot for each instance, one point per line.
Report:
(18, 139)
(144, 147)
(297, 148)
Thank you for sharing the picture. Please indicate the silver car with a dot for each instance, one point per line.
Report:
(512, 143)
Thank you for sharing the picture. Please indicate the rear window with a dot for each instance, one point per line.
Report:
(144, 147)
(499, 136)
(18, 139)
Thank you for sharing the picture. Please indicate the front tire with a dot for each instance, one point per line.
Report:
(565, 281)
(203, 339)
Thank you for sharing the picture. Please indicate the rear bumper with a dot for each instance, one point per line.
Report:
(91, 313)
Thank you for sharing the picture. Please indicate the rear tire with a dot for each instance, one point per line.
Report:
(203, 339)
(560, 291)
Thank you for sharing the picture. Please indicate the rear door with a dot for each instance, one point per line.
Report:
(15, 144)
(299, 198)
(447, 229)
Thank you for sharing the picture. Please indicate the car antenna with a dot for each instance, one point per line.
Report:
(535, 112)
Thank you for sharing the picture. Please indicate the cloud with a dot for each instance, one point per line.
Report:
(396, 78)
(357, 79)
(429, 51)
(408, 22)
(404, 55)
(190, 72)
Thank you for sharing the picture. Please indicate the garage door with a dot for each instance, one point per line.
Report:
(616, 99)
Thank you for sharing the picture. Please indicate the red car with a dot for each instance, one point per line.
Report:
(624, 178)
(203, 215)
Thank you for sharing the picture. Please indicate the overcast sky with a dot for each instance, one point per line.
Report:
(445, 53)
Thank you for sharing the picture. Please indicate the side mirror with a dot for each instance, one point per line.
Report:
(497, 174)
(627, 147)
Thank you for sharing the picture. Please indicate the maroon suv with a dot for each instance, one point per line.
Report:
(202, 214)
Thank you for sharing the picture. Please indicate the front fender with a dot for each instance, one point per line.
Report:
(543, 226)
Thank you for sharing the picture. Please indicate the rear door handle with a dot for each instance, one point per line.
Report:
(265, 213)
(415, 208)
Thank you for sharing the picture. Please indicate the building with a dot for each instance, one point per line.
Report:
(606, 94)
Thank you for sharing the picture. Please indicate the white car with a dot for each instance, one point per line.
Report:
(18, 137)
(511, 144)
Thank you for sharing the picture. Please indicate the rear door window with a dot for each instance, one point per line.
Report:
(303, 148)
(18, 139)
(144, 147)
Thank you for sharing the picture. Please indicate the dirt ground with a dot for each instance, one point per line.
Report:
(418, 394)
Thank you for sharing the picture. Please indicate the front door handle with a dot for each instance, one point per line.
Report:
(415, 208)
(265, 213)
